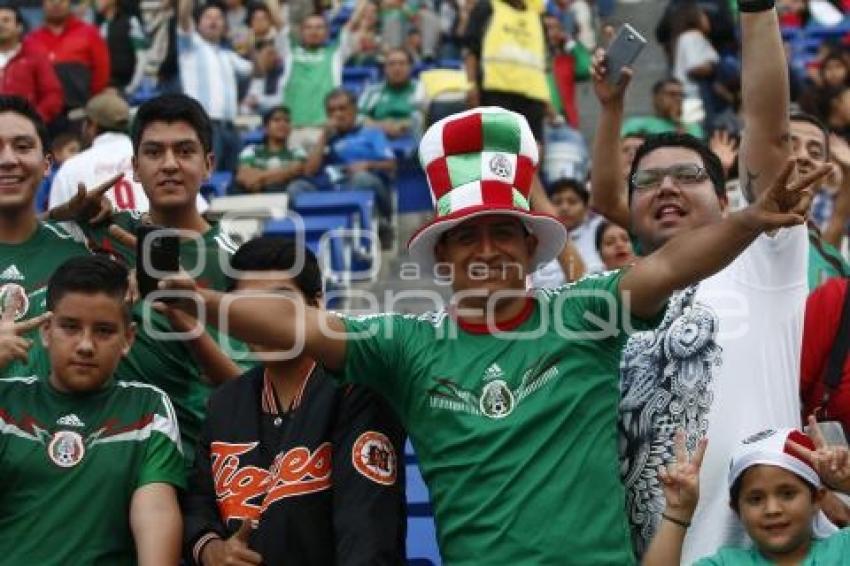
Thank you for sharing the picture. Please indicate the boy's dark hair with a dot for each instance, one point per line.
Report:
(274, 110)
(89, 274)
(799, 116)
(710, 161)
(268, 253)
(574, 185)
(20, 106)
(339, 93)
(735, 492)
(172, 108)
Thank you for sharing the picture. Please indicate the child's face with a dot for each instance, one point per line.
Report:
(67, 151)
(570, 209)
(86, 339)
(777, 508)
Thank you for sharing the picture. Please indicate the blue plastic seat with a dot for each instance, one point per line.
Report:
(253, 137)
(314, 229)
(359, 206)
(217, 185)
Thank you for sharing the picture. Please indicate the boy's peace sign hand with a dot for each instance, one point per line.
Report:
(680, 479)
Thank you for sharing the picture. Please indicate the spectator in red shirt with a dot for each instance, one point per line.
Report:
(23, 72)
(823, 317)
(76, 49)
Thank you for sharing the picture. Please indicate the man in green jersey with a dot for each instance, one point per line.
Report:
(88, 464)
(172, 143)
(509, 396)
(30, 250)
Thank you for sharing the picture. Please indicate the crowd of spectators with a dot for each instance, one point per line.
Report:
(676, 212)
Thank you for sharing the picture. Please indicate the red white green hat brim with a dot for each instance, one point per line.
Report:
(551, 234)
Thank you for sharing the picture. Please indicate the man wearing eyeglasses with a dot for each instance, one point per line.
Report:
(725, 360)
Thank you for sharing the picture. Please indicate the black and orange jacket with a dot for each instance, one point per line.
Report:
(322, 481)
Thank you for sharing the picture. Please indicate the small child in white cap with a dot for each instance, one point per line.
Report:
(777, 479)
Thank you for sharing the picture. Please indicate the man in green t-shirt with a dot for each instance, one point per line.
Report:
(172, 141)
(667, 97)
(396, 104)
(88, 464)
(269, 166)
(30, 250)
(509, 396)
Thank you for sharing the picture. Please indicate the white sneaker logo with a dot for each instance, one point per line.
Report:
(12, 273)
(70, 420)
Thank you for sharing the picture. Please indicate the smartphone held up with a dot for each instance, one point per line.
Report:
(622, 52)
(157, 256)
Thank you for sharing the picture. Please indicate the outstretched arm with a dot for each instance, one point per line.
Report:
(703, 251)
(765, 100)
(275, 321)
(184, 15)
(609, 196)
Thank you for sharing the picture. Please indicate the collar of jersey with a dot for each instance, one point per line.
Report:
(504, 326)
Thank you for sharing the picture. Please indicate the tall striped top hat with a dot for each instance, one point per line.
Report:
(482, 162)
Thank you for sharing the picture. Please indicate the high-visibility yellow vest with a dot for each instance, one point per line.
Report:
(513, 53)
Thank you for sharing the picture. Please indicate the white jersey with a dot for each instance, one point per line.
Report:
(110, 154)
(724, 363)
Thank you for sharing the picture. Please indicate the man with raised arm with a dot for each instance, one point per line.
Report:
(509, 396)
(724, 362)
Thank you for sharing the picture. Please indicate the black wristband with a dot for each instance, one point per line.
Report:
(675, 521)
(751, 6)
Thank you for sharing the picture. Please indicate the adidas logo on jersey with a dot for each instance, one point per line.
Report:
(70, 420)
(12, 273)
(493, 372)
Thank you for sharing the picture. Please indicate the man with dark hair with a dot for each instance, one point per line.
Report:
(90, 464)
(350, 155)
(107, 118)
(75, 48)
(24, 71)
(813, 147)
(209, 73)
(725, 361)
(397, 104)
(348, 504)
(172, 138)
(509, 397)
(271, 165)
(30, 250)
(667, 97)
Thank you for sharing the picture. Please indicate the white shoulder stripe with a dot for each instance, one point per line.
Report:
(166, 425)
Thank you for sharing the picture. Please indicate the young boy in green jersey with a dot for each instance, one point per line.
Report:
(89, 465)
(777, 479)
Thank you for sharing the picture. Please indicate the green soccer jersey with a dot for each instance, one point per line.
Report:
(69, 465)
(311, 73)
(824, 262)
(516, 433)
(261, 157)
(164, 362)
(24, 271)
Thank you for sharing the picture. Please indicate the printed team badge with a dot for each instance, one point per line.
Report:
(497, 400)
(374, 457)
(13, 296)
(500, 166)
(66, 448)
(759, 436)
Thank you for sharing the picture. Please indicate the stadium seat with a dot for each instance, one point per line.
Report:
(253, 137)
(826, 33)
(355, 79)
(360, 207)
(318, 235)
(217, 185)
(243, 216)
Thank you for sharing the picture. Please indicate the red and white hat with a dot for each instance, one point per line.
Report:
(770, 447)
(482, 162)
